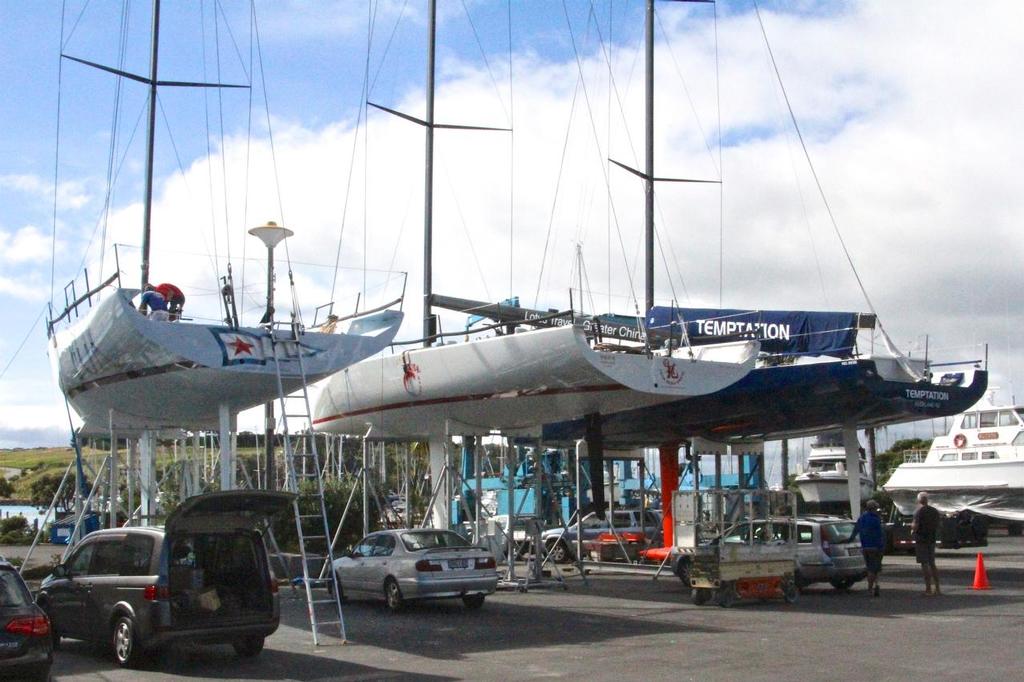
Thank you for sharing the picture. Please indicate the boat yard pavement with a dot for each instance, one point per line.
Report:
(622, 627)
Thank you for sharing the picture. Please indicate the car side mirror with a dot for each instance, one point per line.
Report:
(61, 571)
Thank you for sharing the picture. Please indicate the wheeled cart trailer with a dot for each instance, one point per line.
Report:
(741, 544)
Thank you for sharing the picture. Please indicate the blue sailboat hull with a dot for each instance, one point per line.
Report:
(785, 401)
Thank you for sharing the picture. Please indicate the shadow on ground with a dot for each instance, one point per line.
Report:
(446, 630)
(78, 659)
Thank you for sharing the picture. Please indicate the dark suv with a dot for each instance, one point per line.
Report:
(204, 577)
(25, 649)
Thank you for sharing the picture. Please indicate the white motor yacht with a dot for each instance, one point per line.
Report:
(824, 479)
(978, 466)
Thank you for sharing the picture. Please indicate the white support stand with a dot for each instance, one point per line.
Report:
(129, 475)
(112, 477)
(439, 511)
(147, 477)
(852, 447)
(196, 463)
(227, 454)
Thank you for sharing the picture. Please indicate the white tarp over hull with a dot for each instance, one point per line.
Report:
(155, 374)
(993, 488)
(515, 382)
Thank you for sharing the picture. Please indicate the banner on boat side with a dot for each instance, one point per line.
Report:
(243, 348)
(790, 332)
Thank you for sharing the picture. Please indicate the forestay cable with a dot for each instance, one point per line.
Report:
(828, 208)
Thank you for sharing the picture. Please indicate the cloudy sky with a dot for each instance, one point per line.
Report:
(909, 111)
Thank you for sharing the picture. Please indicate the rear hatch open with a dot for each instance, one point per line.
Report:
(216, 562)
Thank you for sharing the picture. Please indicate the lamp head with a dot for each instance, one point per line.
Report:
(271, 234)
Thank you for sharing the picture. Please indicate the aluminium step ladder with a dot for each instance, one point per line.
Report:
(305, 479)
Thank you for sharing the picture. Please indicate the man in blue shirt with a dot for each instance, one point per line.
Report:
(872, 542)
(155, 302)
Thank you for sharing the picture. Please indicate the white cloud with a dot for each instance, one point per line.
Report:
(71, 194)
(26, 245)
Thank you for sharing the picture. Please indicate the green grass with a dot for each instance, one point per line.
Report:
(29, 458)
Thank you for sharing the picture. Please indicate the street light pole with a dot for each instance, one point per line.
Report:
(271, 235)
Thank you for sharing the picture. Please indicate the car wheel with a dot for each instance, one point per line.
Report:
(726, 595)
(682, 570)
(332, 583)
(702, 595)
(247, 647)
(559, 552)
(393, 595)
(54, 631)
(790, 591)
(842, 583)
(473, 601)
(127, 651)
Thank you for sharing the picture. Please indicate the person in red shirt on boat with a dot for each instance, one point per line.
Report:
(175, 299)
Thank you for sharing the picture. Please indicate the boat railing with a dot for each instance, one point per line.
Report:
(72, 302)
(914, 456)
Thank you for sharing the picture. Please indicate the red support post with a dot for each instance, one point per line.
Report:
(668, 458)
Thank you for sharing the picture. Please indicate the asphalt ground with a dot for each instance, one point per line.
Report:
(624, 627)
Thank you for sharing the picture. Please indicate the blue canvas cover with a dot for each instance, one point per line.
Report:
(787, 332)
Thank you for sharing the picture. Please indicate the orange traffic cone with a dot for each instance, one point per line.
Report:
(980, 577)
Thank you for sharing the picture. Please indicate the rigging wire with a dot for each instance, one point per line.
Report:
(209, 149)
(248, 140)
(686, 90)
(56, 156)
(296, 311)
(608, 160)
(558, 184)
(483, 54)
(468, 234)
(721, 167)
(511, 151)
(360, 118)
(371, 23)
(223, 147)
(181, 167)
(23, 341)
(828, 208)
(607, 179)
(114, 127)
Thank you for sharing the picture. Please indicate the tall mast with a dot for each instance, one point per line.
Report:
(649, 163)
(150, 136)
(428, 188)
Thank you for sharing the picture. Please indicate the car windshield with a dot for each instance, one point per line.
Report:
(777, 532)
(837, 532)
(12, 590)
(415, 541)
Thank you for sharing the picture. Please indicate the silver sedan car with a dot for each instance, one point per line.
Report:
(425, 563)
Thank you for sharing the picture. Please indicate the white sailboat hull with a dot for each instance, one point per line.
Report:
(514, 383)
(115, 365)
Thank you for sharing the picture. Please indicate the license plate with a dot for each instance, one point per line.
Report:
(457, 563)
(854, 551)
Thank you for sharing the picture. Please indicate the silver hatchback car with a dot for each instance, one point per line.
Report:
(825, 553)
(425, 563)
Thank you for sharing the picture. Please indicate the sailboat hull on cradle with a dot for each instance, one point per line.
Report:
(115, 364)
(515, 383)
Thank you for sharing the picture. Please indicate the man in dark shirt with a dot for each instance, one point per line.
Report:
(924, 530)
